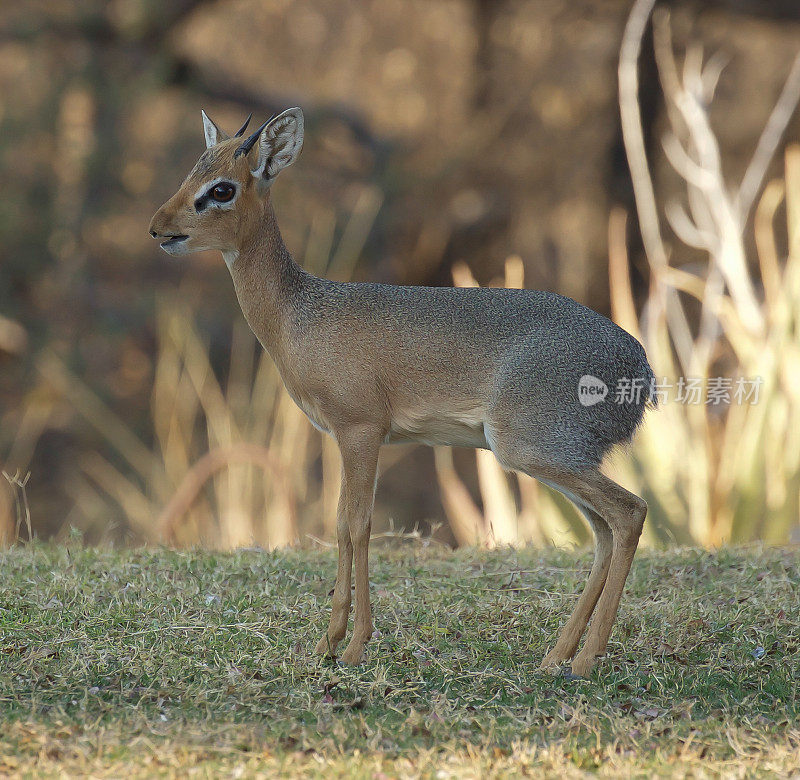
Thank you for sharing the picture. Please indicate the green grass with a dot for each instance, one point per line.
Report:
(151, 662)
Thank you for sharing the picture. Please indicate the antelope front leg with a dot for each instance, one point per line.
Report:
(359, 448)
(340, 603)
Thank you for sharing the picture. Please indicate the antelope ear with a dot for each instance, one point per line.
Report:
(279, 144)
(213, 133)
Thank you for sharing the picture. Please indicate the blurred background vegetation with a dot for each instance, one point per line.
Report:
(447, 141)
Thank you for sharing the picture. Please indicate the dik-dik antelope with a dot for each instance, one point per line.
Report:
(375, 364)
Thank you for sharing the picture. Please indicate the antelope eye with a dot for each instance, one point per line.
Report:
(222, 192)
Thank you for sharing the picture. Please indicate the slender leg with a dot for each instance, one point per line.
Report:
(340, 603)
(572, 632)
(625, 514)
(359, 449)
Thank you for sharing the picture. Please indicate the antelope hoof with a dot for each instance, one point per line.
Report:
(354, 654)
(583, 663)
(326, 647)
(552, 662)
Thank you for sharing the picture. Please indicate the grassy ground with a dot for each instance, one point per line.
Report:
(161, 663)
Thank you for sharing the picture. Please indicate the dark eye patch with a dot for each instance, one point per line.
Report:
(221, 192)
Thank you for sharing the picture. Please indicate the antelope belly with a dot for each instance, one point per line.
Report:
(456, 428)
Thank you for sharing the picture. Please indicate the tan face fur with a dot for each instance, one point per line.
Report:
(225, 191)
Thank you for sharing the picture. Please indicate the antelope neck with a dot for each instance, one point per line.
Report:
(266, 279)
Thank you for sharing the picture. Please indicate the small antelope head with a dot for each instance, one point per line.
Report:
(225, 189)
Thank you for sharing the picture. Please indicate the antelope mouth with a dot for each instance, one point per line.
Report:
(173, 241)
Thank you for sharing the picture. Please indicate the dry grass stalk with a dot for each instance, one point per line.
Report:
(714, 473)
(19, 485)
(13, 337)
(215, 461)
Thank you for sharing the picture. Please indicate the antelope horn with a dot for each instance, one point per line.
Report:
(240, 132)
(250, 141)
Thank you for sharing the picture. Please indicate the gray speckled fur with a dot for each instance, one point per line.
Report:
(516, 356)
